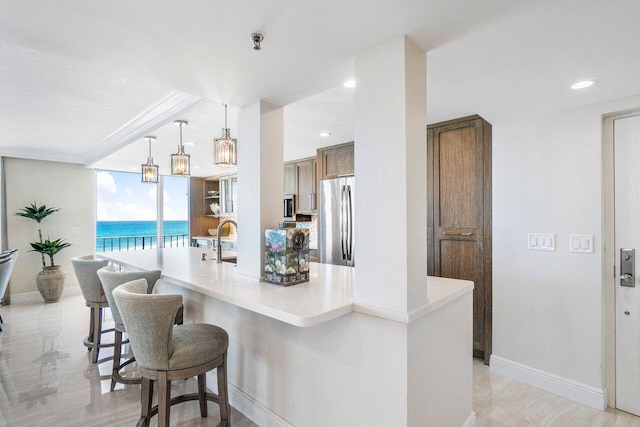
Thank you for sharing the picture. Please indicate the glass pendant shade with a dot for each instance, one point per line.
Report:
(180, 161)
(149, 170)
(225, 153)
(225, 148)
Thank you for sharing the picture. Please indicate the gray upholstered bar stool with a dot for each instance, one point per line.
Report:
(171, 352)
(10, 256)
(111, 279)
(86, 270)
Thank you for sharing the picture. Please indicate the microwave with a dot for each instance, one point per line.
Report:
(289, 207)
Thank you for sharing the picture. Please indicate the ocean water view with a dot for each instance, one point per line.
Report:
(130, 235)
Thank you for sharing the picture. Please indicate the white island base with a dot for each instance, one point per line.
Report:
(346, 368)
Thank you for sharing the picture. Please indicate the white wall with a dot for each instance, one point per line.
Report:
(69, 187)
(547, 177)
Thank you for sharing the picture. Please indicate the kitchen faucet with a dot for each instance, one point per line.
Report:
(219, 235)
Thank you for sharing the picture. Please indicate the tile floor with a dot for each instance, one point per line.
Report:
(500, 401)
(46, 379)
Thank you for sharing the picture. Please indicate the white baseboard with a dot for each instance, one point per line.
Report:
(251, 408)
(582, 393)
(471, 421)
(35, 296)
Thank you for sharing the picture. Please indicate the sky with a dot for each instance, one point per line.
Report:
(122, 197)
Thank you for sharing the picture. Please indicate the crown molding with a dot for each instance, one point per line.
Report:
(156, 115)
(31, 154)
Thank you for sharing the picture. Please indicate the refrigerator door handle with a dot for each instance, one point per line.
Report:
(343, 221)
(349, 224)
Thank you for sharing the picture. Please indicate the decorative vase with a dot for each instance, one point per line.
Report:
(50, 283)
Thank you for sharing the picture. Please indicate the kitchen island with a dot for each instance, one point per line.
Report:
(327, 295)
(308, 355)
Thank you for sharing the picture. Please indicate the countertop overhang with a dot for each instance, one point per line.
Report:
(327, 295)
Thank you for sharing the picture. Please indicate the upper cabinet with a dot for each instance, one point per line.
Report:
(290, 178)
(221, 195)
(335, 161)
(300, 180)
(306, 194)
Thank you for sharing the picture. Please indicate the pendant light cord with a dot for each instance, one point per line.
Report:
(225, 116)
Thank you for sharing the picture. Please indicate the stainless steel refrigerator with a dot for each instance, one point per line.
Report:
(335, 221)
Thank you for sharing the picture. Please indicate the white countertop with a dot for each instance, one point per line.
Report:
(326, 296)
(231, 238)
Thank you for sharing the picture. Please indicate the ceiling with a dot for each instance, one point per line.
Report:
(85, 81)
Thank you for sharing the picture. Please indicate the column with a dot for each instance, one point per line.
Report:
(390, 165)
(260, 178)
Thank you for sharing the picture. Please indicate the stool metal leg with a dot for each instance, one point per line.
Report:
(146, 401)
(223, 393)
(117, 348)
(202, 394)
(97, 332)
(164, 399)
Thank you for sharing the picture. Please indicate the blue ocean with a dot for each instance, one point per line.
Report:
(128, 235)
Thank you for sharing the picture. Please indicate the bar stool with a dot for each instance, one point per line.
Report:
(111, 279)
(10, 256)
(171, 352)
(86, 268)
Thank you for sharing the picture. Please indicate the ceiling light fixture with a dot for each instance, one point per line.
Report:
(349, 83)
(225, 148)
(325, 134)
(583, 84)
(180, 162)
(149, 170)
(257, 39)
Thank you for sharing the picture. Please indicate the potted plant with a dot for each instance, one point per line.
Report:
(49, 281)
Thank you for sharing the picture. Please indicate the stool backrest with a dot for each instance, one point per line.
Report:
(86, 270)
(149, 322)
(6, 265)
(111, 279)
(12, 256)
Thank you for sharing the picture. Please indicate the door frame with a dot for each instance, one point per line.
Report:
(609, 255)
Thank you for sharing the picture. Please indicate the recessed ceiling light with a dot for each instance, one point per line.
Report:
(325, 134)
(133, 168)
(349, 83)
(583, 84)
(190, 143)
(196, 167)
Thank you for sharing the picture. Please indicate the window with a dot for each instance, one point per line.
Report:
(127, 212)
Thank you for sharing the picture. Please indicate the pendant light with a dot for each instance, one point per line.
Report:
(224, 149)
(180, 162)
(149, 170)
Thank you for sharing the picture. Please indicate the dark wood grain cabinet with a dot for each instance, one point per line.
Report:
(300, 180)
(336, 161)
(459, 214)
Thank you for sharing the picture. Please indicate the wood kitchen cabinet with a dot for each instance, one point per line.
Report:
(459, 214)
(300, 180)
(226, 195)
(290, 179)
(306, 194)
(335, 161)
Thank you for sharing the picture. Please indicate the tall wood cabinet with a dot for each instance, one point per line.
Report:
(459, 214)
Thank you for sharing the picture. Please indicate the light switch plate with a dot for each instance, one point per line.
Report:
(541, 242)
(581, 243)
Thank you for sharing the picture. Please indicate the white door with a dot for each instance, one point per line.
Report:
(627, 236)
